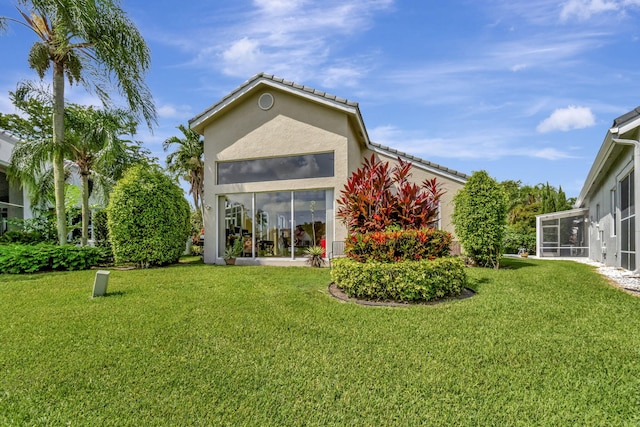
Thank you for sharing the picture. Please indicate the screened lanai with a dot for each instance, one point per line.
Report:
(563, 234)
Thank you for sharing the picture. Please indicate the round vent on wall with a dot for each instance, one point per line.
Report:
(265, 101)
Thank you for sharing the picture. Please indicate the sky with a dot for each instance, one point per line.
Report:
(525, 90)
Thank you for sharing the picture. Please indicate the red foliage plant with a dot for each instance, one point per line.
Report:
(377, 197)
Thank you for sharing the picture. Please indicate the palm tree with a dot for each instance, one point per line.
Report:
(79, 35)
(188, 161)
(93, 146)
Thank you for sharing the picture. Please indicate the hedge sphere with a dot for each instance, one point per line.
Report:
(148, 218)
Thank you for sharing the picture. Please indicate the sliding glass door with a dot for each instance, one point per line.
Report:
(285, 223)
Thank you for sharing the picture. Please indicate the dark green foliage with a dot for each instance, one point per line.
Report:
(525, 202)
(400, 245)
(22, 237)
(148, 218)
(101, 231)
(17, 259)
(479, 217)
(513, 241)
(400, 281)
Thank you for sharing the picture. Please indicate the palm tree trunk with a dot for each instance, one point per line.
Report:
(85, 209)
(58, 159)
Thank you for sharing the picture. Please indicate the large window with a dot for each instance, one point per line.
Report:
(285, 223)
(276, 168)
(627, 223)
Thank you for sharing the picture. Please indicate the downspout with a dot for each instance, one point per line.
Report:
(636, 186)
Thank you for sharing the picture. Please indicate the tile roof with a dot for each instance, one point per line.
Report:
(626, 117)
(353, 107)
(418, 160)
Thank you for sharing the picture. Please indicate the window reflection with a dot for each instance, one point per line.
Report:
(275, 169)
(270, 232)
(238, 223)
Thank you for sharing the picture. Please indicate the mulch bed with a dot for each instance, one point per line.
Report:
(336, 292)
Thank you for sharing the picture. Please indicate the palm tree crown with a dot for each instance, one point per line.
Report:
(187, 161)
(78, 35)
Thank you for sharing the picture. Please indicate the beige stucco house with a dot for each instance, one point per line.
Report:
(277, 155)
(14, 200)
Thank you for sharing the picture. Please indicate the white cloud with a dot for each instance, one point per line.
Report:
(170, 111)
(584, 9)
(565, 119)
(300, 40)
(549, 154)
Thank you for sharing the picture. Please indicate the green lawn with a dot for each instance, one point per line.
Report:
(542, 343)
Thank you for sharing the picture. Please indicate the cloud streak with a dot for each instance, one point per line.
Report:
(297, 39)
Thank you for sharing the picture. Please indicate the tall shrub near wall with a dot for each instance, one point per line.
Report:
(147, 218)
(480, 216)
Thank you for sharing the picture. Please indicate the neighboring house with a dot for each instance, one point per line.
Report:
(277, 154)
(603, 225)
(14, 201)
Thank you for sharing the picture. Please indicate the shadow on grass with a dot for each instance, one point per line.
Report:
(515, 263)
(475, 284)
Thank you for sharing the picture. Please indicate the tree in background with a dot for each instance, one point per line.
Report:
(78, 35)
(148, 218)
(525, 202)
(187, 161)
(94, 143)
(479, 216)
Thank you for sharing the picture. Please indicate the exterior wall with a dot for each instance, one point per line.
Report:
(603, 245)
(292, 126)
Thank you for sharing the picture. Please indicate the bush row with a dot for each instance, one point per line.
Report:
(408, 281)
(400, 245)
(16, 259)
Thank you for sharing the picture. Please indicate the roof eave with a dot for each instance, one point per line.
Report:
(198, 122)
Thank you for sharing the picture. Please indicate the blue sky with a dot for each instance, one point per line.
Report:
(524, 90)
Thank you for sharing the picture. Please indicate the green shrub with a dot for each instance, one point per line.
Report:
(22, 237)
(480, 216)
(16, 259)
(398, 245)
(423, 280)
(148, 218)
(513, 241)
(101, 232)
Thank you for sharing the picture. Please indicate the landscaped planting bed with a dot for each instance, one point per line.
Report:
(541, 343)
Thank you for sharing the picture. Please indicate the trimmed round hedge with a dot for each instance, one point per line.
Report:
(148, 218)
(409, 281)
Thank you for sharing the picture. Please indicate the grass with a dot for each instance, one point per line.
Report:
(542, 343)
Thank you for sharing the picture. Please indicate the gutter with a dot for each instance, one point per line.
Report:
(636, 184)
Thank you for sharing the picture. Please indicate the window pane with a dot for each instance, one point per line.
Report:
(277, 168)
(624, 234)
(310, 219)
(632, 237)
(550, 235)
(238, 222)
(624, 197)
(273, 224)
(632, 197)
